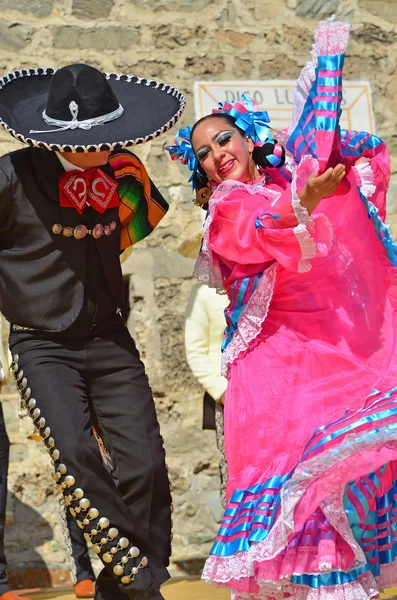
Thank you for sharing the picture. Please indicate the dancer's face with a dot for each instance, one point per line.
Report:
(222, 150)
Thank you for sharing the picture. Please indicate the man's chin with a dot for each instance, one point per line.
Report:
(100, 163)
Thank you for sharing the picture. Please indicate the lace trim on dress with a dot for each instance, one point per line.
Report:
(364, 588)
(251, 319)
(300, 175)
(307, 246)
(365, 176)
(207, 268)
(306, 228)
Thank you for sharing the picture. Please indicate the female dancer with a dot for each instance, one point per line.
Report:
(311, 403)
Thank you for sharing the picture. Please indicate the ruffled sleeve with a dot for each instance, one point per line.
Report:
(255, 228)
(373, 179)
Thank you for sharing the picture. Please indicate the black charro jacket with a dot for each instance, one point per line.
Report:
(43, 276)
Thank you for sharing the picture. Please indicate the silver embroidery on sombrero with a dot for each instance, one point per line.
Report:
(76, 501)
(74, 123)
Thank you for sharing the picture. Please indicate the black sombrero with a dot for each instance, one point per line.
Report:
(79, 109)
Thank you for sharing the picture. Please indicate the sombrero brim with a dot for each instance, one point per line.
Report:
(150, 109)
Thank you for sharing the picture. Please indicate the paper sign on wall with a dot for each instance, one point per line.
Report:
(276, 96)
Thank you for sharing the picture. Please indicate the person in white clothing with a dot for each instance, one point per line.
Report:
(204, 327)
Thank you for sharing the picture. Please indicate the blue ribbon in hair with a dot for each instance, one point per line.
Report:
(253, 123)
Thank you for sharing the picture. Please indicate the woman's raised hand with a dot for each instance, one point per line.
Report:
(320, 186)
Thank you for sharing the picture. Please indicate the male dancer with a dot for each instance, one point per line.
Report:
(69, 203)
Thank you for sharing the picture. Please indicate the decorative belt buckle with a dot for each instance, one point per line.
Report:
(81, 231)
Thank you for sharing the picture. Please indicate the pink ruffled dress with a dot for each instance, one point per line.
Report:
(310, 353)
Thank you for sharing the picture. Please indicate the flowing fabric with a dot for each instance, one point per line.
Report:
(141, 205)
(310, 346)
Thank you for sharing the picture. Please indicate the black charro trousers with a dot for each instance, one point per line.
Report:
(68, 384)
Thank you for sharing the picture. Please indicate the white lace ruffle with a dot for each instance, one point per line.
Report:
(241, 565)
(307, 246)
(207, 268)
(306, 228)
(365, 179)
(330, 38)
(364, 588)
(300, 174)
(251, 319)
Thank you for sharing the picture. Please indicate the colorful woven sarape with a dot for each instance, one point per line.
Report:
(141, 205)
(294, 535)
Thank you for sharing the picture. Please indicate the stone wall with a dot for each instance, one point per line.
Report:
(177, 41)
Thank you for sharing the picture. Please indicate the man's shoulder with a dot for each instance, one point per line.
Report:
(8, 160)
(24, 160)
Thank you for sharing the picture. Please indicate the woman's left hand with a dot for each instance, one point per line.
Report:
(320, 186)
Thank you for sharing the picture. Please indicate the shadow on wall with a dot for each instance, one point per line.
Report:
(27, 569)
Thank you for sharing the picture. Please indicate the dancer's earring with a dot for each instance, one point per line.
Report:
(202, 196)
(252, 168)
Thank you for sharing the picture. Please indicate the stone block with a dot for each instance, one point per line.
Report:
(39, 8)
(174, 6)
(17, 452)
(150, 69)
(279, 67)
(234, 38)
(72, 37)
(14, 36)
(392, 198)
(214, 504)
(170, 36)
(93, 10)
(244, 68)
(201, 483)
(228, 15)
(316, 8)
(266, 12)
(369, 33)
(385, 9)
(199, 538)
(205, 65)
(300, 39)
(392, 89)
(358, 68)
